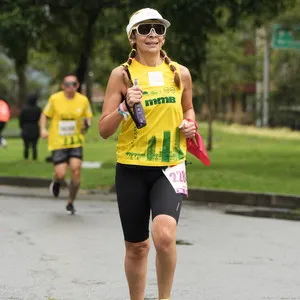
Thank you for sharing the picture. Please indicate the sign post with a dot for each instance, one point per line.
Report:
(286, 37)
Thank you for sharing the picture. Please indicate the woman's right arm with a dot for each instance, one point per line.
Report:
(110, 118)
(116, 87)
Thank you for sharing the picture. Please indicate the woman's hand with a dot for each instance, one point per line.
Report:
(189, 128)
(134, 95)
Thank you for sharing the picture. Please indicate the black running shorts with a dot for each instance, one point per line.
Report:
(141, 190)
(63, 155)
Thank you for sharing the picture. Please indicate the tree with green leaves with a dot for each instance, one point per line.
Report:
(193, 22)
(226, 67)
(71, 32)
(285, 75)
(79, 24)
(7, 82)
(20, 30)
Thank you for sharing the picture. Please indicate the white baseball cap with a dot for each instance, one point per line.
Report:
(144, 15)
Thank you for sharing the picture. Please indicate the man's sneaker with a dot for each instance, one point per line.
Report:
(54, 188)
(70, 209)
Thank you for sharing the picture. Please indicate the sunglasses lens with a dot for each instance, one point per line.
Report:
(160, 29)
(69, 84)
(145, 29)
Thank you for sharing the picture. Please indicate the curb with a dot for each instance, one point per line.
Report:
(244, 198)
(31, 196)
(195, 194)
(26, 181)
(265, 212)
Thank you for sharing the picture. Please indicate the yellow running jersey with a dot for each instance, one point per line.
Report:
(160, 142)
(67, 117)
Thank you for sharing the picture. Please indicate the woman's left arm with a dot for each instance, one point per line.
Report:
(188, 127)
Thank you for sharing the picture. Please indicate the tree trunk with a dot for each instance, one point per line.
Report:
(83, 63)
(22, 84)
(209, 105)
(89, 85)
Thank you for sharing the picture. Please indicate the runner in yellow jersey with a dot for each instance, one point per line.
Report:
(150, 171)
(70, 116)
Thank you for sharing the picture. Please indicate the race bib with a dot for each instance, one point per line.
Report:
(67, 127)
(177, 177)
(156, 79)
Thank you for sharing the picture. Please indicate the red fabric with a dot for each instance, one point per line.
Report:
(4, 111)
(196, 147)
(190, 120)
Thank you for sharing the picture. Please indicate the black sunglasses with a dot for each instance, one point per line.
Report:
(70, 83)
(145, 28)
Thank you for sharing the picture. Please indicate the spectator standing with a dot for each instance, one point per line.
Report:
(29, 124)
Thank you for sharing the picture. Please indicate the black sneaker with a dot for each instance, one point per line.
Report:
(54, 188)
(70, 209)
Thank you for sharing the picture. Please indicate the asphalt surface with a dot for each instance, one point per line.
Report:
(47, 254)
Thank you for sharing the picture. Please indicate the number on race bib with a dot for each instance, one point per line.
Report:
(67, 128)
(177, 177)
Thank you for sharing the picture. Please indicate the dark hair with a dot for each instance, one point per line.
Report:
(70, 74)
(32, 99)
(164, 56)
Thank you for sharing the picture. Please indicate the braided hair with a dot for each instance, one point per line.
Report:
(165, 58)
(168, 61)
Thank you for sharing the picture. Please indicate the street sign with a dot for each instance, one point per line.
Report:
(285, 37)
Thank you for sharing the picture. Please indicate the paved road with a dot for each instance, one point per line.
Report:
(46, 254)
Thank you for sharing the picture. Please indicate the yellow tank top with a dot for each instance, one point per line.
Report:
(160, 142)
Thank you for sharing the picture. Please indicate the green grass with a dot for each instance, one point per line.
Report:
(240, 161)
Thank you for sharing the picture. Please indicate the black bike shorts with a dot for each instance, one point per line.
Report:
(141, 190)
(63, 155)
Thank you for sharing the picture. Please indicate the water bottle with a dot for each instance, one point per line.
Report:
(138, 111)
